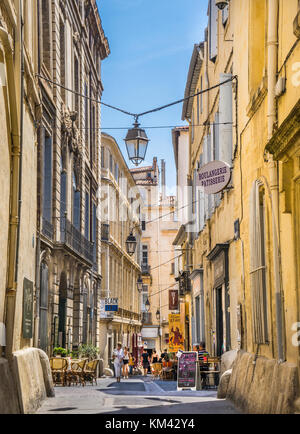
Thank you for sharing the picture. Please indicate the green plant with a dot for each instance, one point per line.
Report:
(59, 350)
(88, 351)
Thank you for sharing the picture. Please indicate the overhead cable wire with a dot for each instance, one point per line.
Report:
(137, 115)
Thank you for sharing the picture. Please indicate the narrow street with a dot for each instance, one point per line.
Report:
(136, 395)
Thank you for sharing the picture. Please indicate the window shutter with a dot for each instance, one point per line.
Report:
(213, 30)
(225, 15)
(258, 265)
(225, 119)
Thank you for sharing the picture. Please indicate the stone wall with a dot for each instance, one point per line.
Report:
(263, 386)
(26, 382)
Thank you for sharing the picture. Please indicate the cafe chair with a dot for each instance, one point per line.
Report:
(58, 367)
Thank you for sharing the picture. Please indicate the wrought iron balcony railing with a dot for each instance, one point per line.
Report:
(74, 239)
(47, 229)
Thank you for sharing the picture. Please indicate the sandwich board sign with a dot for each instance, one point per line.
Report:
(187, 370)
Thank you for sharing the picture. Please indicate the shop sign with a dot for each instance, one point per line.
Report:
(111, 304)
(104, 314)
(176, 333)
(187, 370)
(27, 309)
(173, 299)
(214, 177)
(149, 332)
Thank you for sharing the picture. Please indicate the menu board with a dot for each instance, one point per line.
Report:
(187, 370)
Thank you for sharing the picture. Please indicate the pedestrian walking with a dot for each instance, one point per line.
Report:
(145, 361)
(154, 358)
(131, 363)
(125, 363)
(118, 361)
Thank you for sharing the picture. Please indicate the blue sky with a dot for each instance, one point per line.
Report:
(151, 44)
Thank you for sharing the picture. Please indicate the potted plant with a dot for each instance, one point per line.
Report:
(60, 352)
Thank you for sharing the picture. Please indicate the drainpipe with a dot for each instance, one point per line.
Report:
(273, 167)
(16, 170)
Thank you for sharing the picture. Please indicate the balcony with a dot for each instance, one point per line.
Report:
(74, 239)
(47, 229)
(104, 232)
(147, 318)
(146, 269)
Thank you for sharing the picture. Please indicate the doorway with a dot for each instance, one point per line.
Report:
(219, 322)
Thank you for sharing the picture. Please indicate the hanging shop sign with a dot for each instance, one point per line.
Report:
(187, 370)
(173, 299)
(176, 333)
(104, 312)
(27, 309)
(111, 304)
(214, 177)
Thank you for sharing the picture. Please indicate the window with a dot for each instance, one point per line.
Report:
(76, 204)
(258, 263)
(102, 157)
(111, 163)
(62, 60)
(225, 15)
(46, 34)
(87, 216)
(145, 254)
(47, 178)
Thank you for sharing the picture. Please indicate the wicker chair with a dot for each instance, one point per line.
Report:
(156, 369)
(76, 372)
(90, 371)
(58, 367)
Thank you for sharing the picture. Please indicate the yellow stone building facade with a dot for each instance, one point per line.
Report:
(242, 251)
(120, 213)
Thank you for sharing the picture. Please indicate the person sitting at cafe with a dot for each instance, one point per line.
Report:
(164, 356)
(202, 353)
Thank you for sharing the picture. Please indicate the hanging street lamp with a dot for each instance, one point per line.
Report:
(131, 244)
(139, 284)
(158, 314)
(147, 305)
(136, 143)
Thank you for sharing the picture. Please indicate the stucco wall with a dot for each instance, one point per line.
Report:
(264, 386)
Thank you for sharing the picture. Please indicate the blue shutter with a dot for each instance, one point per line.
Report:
(47, 190)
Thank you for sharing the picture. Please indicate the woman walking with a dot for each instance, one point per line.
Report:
(131, 363)
(125, 363)
(154, 358)
(145, 361)
(118, 361)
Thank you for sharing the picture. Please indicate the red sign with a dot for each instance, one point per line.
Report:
(173, 299)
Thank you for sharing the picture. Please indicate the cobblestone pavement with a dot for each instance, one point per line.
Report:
(137, 395)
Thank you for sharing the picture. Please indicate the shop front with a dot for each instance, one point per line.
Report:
(221, 341)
